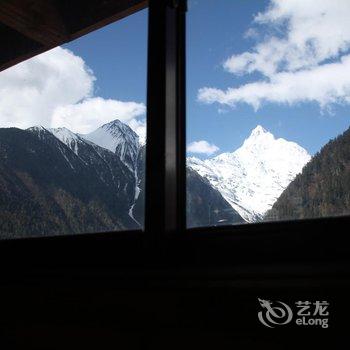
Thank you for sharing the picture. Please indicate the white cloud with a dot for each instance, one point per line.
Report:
(203, 147)
(325, 84)
(251, 33)
(302, 56)
(56, 89)
(31, 90)
(313, 32)
(139, 126)
(91, 113)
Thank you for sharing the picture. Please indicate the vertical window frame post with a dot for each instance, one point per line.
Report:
(165, 207)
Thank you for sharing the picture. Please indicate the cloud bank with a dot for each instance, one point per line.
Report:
(85, 115)
(56, 89)
(202, 147)
(303, 56)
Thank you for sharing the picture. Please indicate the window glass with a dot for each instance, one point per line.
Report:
(268, 95)
(72, 135)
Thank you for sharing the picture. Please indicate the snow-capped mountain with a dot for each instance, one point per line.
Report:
(252, 178)
(116, 141)
(93, 154)
(68, 137)
(118, 138)
(83, 161)
(55, 182)
(124, 142)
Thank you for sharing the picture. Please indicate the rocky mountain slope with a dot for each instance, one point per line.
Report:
(53, 181)
(47, 188)
(205, 204)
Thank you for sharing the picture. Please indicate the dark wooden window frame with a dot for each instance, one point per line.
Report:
(165, 240)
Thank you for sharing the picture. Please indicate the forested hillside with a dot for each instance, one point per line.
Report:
(323, 187)
(53, 181)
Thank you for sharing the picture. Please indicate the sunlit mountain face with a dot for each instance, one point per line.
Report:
(252, 177)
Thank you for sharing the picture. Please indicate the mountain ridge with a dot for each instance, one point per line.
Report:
(54, 181)
(45, 188)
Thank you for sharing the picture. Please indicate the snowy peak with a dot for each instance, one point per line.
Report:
(262, 144)
(68, 137)
(259, 135)
(36, 128)
(65, 135)
(113, 134)
(118, 138)
(259, 138)
(40, 131)
(259, 130)
(118, 127)
(252, 178)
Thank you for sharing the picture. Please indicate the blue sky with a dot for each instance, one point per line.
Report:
(216, 30)
(83, 84)
(117, 54)
(283, 69)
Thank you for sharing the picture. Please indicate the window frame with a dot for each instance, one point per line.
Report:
(165, 240)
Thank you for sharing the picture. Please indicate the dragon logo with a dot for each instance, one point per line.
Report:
(273, 315)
